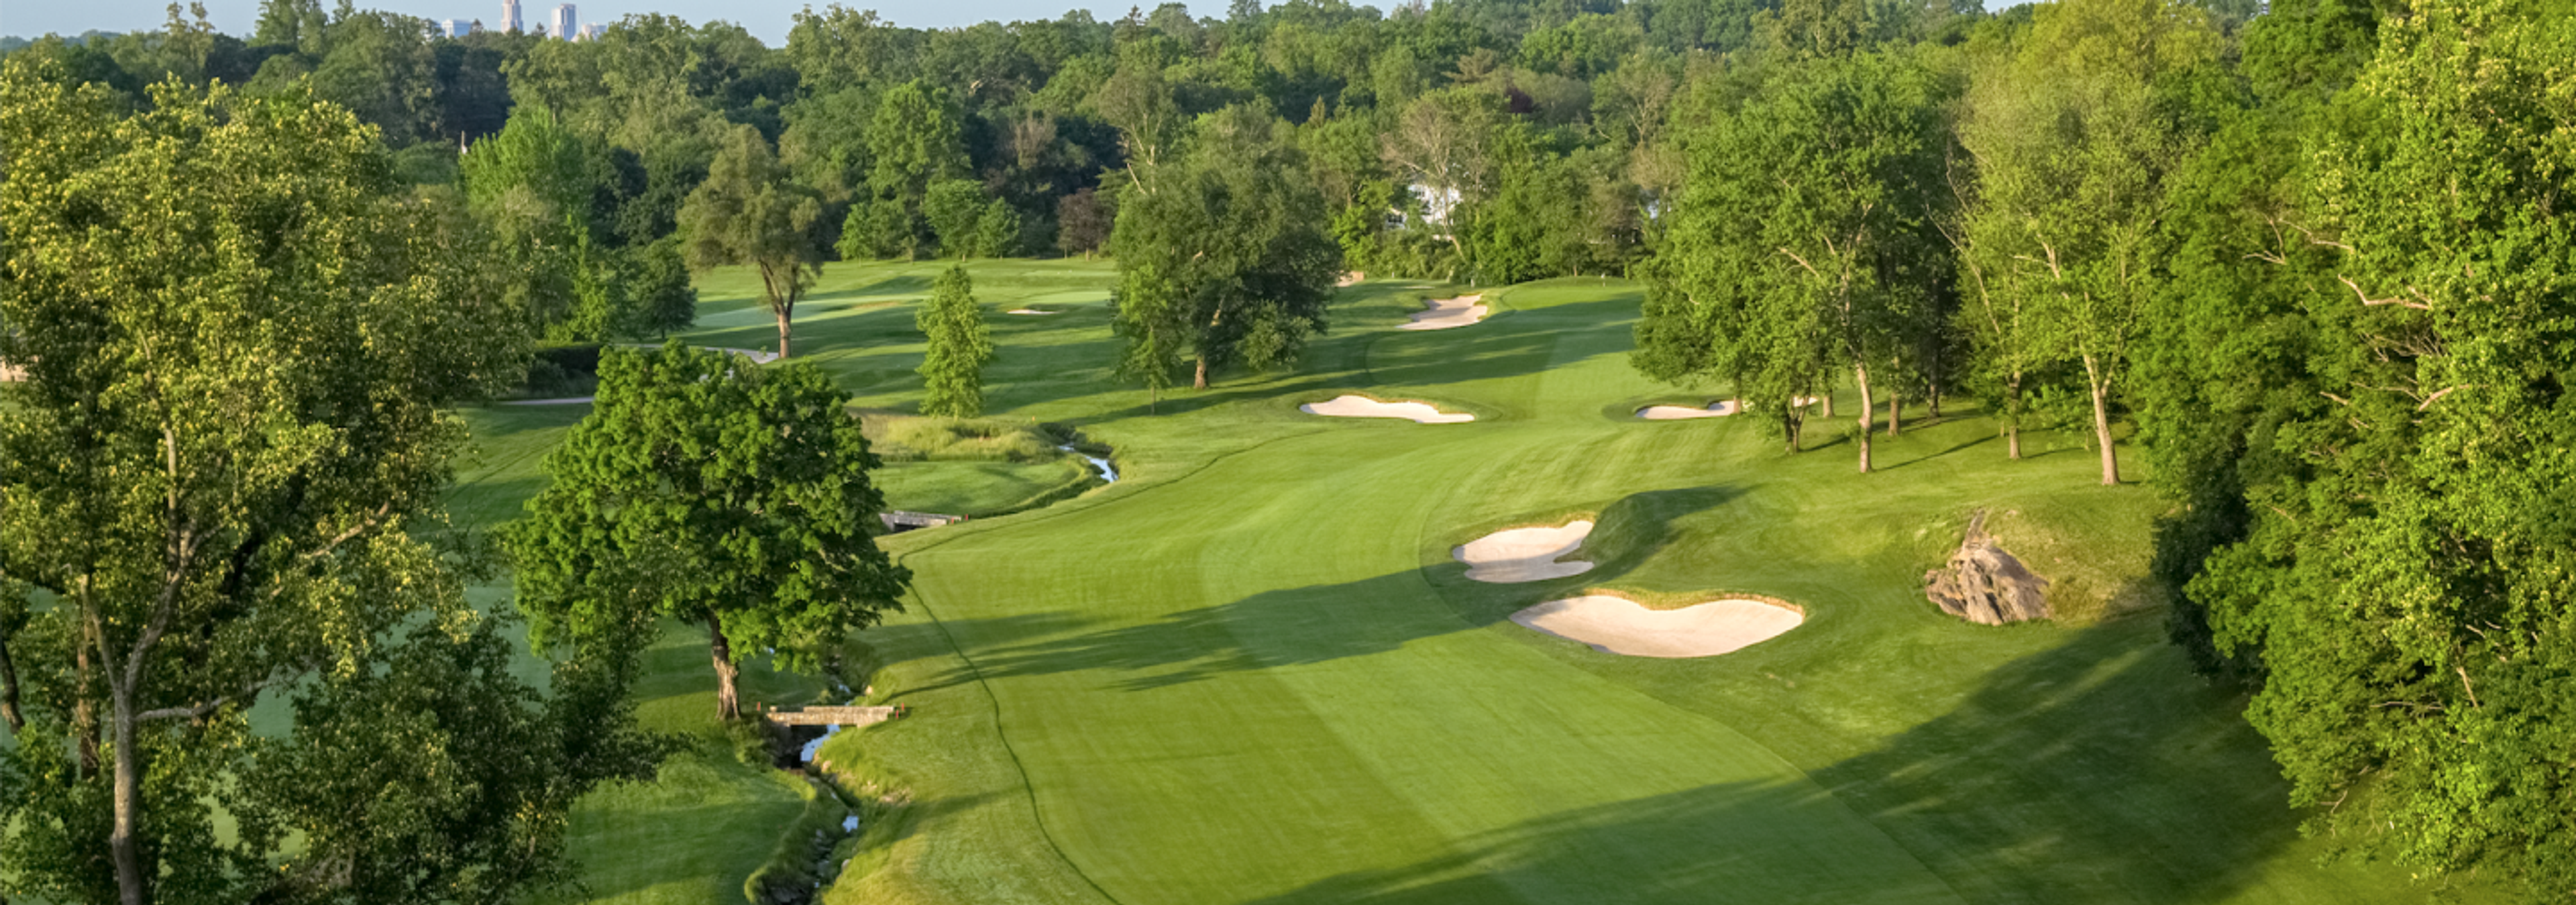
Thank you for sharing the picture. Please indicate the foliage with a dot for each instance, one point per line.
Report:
(2072, 140)
(709, 491)
(952, 369)
(2404, 573)
(913, 144)
(658, 278)
(751, 211)
(222, 480)
(1802, 244)
(1224, 254)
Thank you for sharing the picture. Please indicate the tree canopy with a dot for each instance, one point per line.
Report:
(221, 483)
(706, 490)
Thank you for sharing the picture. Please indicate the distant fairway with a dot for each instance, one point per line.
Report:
(1250, 671)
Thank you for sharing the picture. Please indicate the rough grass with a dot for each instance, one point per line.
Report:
(898, 438)
(1249, 672)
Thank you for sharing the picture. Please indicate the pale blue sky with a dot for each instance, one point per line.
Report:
(768, 19)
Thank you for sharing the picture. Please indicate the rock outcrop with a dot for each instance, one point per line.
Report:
(1985, 585)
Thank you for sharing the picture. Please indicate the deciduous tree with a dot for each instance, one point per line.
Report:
(704, 489)
(2405, 579)
(222, 481)
(750, 211)
(1224, 254)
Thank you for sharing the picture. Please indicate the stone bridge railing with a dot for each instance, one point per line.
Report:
(831, 716)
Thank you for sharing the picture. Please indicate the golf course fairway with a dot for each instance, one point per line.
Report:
(1251, 672)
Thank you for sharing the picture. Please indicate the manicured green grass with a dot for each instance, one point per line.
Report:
(976, 488)
(1249, 672)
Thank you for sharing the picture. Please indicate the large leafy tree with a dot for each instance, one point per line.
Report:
(2072, 142)
(1804, 241)
(1224, 254)
(913, 143)
(221, 482)
(2405, 577)
(706, 490)
(752, 211)
(952, 370)
(531, 185)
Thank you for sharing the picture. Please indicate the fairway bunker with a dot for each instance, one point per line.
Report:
(1617, 625)
(1031, 311)
(1364, 407)
(1680, 412)
(1444, 314)
(1349, 280)
(1525, 554)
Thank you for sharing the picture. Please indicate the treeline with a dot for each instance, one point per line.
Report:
(1496, 141)
(2322, 260)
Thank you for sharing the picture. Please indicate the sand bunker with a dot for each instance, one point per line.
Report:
(1679, 412)
(1364, 407)
(1350, 279)
(1617, 625)
(1525, 554)
(1030, 311)
(1443, 314)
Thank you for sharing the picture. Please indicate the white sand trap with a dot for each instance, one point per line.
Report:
(1364, 407)
(1802, 401)
(1525, 554)
(1617, 625)
(1443, 314)
(1350, 279)
(1030, 311)
(1679, 412)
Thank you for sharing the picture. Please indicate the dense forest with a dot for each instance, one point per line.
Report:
(2313, 262)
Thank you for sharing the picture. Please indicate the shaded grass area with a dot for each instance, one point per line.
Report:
(978, 488)
(1251, 673)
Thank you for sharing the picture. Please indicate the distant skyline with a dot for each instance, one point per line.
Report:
(767, 19)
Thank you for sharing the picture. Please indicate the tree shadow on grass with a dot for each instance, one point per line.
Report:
(901, 284)
(1736, 842)
(2097, 771)
(1290, 627)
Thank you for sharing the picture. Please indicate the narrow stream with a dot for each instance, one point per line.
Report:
(1107, 472)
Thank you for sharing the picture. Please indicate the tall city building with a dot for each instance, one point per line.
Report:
(454, 28)
(590, 31)
(567, 24)
(510, 16)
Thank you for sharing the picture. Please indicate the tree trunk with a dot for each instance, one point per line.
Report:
(2102, 420)
(84, 711)
(1789, 423)
(1825, 398)
(728, 701)
(785, 321)
(1200, 382)
(9, 690)
(2012, 418)
(1895, 413)
(1860, 378)
(121, 845)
